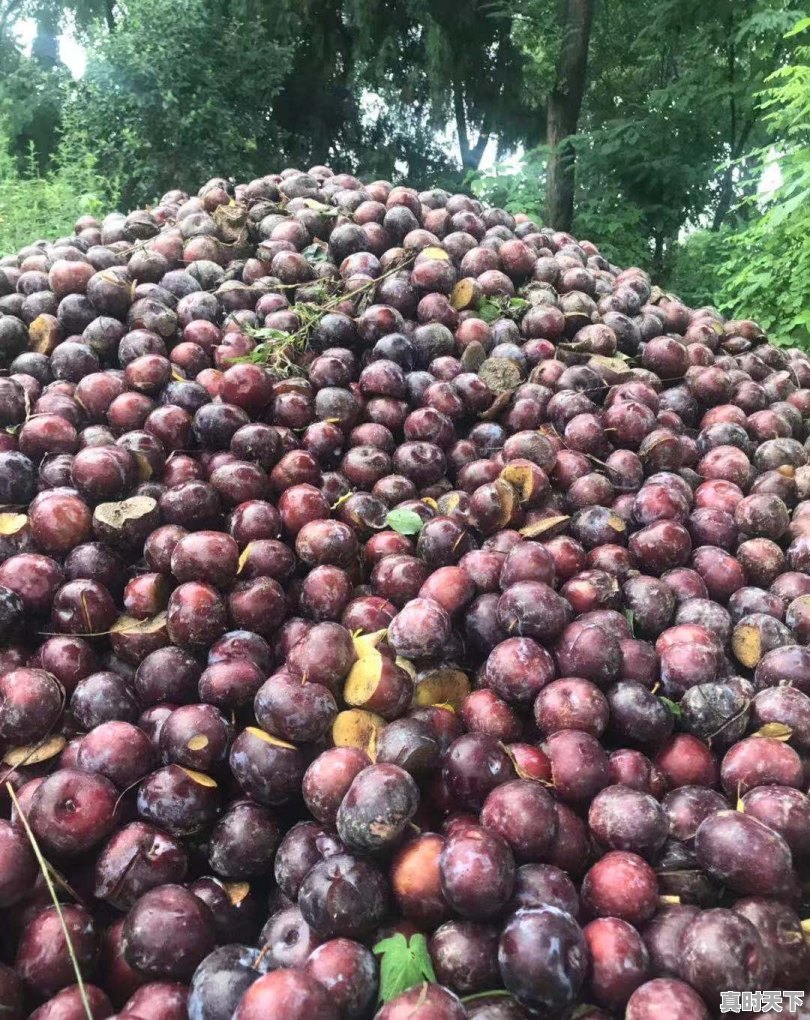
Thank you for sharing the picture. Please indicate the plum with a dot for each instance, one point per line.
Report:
(619, 961)
(720, 950)
(624, 819)
(543, 958)
(666, 997)
(744, 854)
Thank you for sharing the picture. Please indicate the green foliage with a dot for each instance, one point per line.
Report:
(31, 97)
(182, 92)
(687, 103)
(490, 309)
(403, 964)
(406, 522)
(516, 187)
(333, 108)
(670, 115)
(615, 226)
(35, 205)
(696, 266)
(448, 62)
(766, 272)
(673, 706)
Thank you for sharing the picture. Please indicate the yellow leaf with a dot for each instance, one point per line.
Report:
(243, 558)
(254, 731)
(439, 254)
(131, 625)
(776, 731)
(537, 528)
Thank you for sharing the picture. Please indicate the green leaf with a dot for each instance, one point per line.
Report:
(406, 522)
(672, 706)
(403, 964)
(315, 253)
(489, 310)
(797, 29)
(630, 616)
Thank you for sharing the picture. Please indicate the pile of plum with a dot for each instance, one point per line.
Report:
(381, 570)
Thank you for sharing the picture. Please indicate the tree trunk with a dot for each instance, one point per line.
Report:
(658, 255)
(465, 149)
(563, 108)
(471, 155)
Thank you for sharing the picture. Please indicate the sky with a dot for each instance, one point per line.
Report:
(70, 51)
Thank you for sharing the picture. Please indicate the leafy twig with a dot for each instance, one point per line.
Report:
(403, 964)
(278, 348)
(492, 308)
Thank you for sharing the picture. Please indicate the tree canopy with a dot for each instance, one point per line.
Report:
(644, 124)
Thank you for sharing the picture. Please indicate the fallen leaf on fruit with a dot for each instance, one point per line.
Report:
(542, 527)
(130, 625)
(775, 730)
(405, 522)
(403, 964)
(499, 993)
(200, 778)
(237, 891)
(243, 558)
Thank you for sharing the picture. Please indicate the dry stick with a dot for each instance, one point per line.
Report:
(44, 868)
